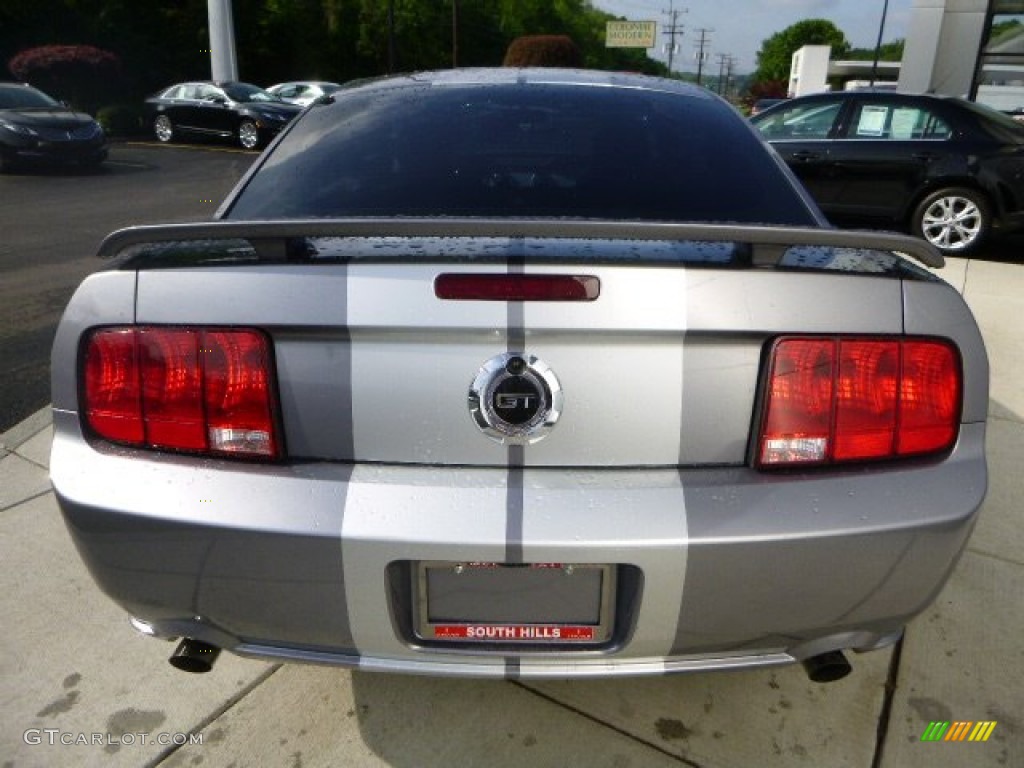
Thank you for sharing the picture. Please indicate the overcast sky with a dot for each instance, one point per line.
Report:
(740, 26)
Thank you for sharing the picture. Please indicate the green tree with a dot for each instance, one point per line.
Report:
(1001, 28)
(165, 41)
(891, 51)
(423, 31)
(776, 54)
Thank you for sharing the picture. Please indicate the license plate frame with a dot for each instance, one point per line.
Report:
(486, 603)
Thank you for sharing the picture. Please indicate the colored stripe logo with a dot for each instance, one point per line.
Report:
(958, 730)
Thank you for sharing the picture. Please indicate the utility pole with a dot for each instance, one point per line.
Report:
(729, 66)
(672, 29)
(722, 59)
(701, 44)
(878, 45)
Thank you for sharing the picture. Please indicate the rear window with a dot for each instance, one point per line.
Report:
(1001, 127)
(523, 151)
(244, 93)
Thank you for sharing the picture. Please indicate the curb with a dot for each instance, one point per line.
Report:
(26, 429)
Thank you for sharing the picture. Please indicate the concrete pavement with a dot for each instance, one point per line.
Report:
(79, 688)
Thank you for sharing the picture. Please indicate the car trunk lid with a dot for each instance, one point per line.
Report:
(661, 368)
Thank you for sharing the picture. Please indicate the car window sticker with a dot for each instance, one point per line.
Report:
(872, 121)
(905, 122)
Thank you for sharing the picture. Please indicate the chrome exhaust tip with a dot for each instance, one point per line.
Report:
(827, 667)
(194, 656)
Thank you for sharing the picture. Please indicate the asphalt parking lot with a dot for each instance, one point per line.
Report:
(81, 688)
(52, 221)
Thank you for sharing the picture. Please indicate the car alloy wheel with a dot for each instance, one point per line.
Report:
(953, 220)
(163, 128)
(248, 134)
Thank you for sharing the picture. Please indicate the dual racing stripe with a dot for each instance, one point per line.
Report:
(345, 639)
(515, 334)
(664, 569)
(630, 508)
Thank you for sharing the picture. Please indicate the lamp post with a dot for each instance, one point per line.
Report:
(392, 46)
(455, 34)
(878, 44)
(223, 62)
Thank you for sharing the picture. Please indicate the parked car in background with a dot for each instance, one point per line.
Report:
(36, 128)
(519, 373)
(947, 168)
(229, 110)
(304, 92)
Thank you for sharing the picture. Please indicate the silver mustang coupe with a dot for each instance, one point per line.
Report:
(522, 373)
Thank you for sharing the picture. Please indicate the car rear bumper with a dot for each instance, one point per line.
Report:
(728, 567)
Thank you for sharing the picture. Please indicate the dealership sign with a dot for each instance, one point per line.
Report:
(514, 632)
(630, 34)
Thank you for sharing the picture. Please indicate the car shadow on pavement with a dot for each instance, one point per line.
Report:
(742, 717)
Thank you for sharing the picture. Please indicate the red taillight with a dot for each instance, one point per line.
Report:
(866, 397)
(113, 397)
(172, 388)
(930, 397)
(189, 389)
(841, 399)
(238, 393)
(504, 287)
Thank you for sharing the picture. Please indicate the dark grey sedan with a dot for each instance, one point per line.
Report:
(520, 373)
(35, 128)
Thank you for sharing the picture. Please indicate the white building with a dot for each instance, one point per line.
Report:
(972, 48)
(812, 67)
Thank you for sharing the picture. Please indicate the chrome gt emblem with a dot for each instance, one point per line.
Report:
(515, 399)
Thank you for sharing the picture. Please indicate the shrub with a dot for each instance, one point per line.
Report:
(82, 75)
(120, 119)
(543, 51)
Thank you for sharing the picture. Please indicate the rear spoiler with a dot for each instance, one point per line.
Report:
(768, 244)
